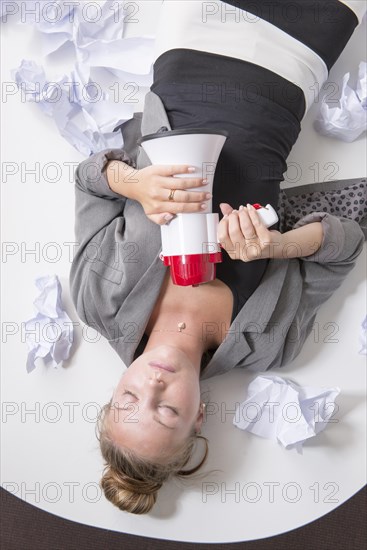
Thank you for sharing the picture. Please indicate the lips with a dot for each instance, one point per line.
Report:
(162, 366)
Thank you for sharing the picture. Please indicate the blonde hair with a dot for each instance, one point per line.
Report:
(130, 482)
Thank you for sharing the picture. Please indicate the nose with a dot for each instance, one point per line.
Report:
(156, 380)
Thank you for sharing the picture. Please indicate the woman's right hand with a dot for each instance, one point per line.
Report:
(154, 186)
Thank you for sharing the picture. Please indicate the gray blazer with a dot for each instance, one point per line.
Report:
(116, 274)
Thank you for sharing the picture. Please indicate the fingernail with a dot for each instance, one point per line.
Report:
(203, 206)
(208, 196)
(249, 206)
(205, 181)
(241, 207)
(225, 216)
(168, 217)
(191, 169)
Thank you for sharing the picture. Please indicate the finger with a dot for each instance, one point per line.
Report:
(161, 219)
(181, 196)
(234, 229)
(260, 228)
(247, 228)
(186, 207)
(171, 169)
(223, 235)
(183, 183)
(225, 208)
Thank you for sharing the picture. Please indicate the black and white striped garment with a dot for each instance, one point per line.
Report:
(252, 68)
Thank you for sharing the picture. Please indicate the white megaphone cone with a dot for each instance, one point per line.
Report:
(189, 242)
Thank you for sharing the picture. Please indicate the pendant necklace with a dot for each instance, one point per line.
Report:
(180, 328)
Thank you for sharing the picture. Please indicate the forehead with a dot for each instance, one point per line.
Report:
(141, 433)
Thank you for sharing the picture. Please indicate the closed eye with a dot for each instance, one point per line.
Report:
(129, 393)
(175, 411)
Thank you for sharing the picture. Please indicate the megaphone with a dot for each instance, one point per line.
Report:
(189, 241)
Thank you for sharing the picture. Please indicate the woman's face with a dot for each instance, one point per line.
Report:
(156, 404)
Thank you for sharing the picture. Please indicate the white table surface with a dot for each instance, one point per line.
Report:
(50, 458)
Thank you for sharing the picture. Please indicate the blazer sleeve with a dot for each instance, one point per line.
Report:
(322, 273)
(96, 207)
(341, 244)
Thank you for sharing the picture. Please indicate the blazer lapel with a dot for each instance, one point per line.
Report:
(253, 318)
(154, 115)
(131, 131)
(258, 309)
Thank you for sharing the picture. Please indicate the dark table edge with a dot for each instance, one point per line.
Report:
(26, 527)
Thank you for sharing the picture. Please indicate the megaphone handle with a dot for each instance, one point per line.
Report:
(267, 214)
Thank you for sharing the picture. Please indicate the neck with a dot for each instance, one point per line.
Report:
(191, 340)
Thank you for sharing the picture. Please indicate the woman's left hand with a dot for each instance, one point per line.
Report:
(243, 235)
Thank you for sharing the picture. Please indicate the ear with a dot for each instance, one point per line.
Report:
(199, 419)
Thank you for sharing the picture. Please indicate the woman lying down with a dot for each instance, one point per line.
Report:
(253, 75)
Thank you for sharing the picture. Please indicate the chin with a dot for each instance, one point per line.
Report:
(171, 353)
(169, 350)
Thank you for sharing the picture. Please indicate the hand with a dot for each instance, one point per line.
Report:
(243, 235)
(154, 186)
